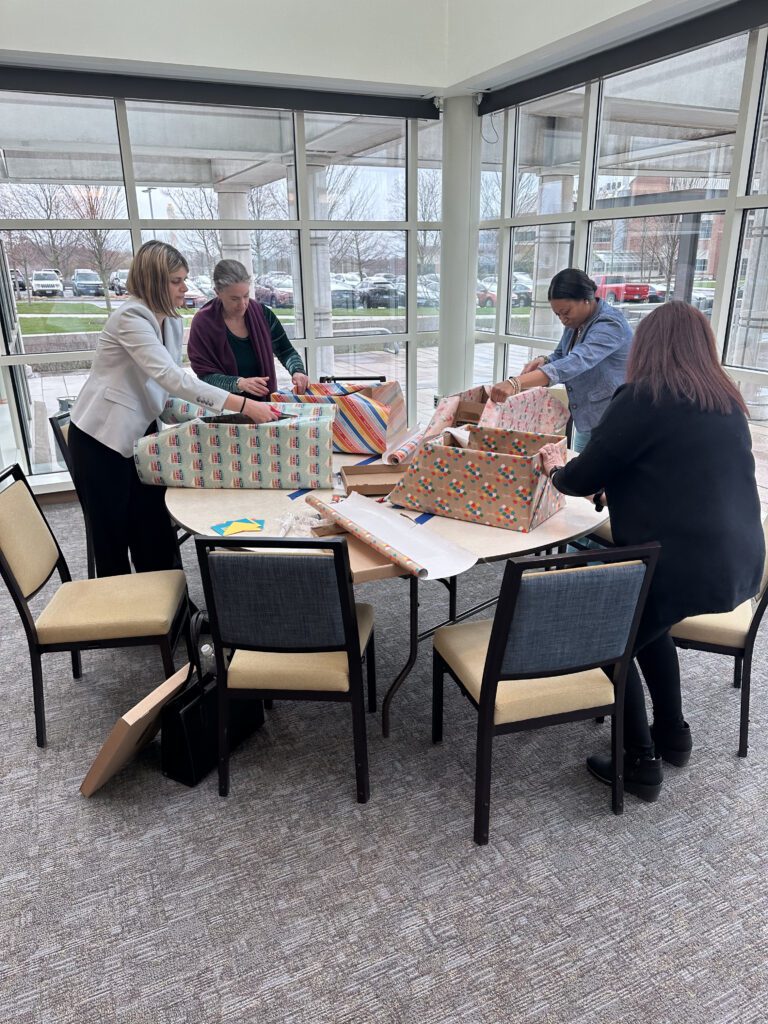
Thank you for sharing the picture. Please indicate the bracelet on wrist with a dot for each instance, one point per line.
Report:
(516, 385)
(242, 407)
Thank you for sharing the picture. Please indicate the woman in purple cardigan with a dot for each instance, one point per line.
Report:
(233, 340)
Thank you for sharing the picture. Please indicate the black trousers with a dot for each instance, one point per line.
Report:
(124, 514)
(657, 658)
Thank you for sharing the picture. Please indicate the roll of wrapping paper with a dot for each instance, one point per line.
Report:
(405, 450)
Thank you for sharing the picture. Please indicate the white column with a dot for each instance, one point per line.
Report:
(233, 205)
(458, 272)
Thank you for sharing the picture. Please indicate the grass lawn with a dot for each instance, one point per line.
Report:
(48, 308)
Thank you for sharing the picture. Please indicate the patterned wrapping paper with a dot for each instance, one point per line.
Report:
(405, 450)
(534, 411)
(231, 451)
(369, 418)
(497, 481)
(177, 410)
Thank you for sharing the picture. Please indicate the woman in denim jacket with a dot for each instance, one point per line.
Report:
(590, 359)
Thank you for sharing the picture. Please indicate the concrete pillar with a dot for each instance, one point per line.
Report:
(321, 267)
(233, 205)
(458, 273)
(553, 253)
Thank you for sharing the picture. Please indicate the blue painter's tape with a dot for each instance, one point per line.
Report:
(298, 494)
(424, 518)
(367, 462)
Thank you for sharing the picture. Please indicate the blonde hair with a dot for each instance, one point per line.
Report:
(148, 277)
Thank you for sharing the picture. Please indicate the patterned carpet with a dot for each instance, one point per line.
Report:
(289, 902)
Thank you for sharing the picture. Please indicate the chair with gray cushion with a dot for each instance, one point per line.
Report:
(556, 651)
(285, 625)
(118, 611)
(732, 634)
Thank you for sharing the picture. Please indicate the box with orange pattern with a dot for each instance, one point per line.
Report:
(497, 480)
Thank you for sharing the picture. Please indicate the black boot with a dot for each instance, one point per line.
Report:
(643, 773)
(674, 745)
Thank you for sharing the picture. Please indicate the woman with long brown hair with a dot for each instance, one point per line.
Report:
(673, 454)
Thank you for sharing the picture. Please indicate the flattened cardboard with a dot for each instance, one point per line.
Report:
(130, 733)
(371, 480)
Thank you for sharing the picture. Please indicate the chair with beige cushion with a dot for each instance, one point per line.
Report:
(60, 426)
(285, 625)
(556, 651)
(733, 634)
(118, 611)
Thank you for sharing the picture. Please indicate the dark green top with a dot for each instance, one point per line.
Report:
(248, 364)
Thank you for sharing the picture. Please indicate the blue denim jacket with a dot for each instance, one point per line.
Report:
(596, 365)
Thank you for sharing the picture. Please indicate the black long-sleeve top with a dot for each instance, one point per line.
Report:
(685, 478)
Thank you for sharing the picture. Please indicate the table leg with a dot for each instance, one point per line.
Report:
(413, 651)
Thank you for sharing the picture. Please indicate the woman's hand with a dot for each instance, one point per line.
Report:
(552, 458)
(253, 385)
(260, 412)
(500, 392)
(534, 364)
(300, 382)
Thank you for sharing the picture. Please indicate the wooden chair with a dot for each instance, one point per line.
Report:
(557, 650)
(117, 611)
(732, 634)
(60, 426)
(285, 625)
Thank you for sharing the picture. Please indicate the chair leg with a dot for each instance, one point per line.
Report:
(746, 682)
(370, 673)
(89, 555)
(738, 663)
(166, 652)
(223, 708)
(77, 665)
(617, 757)
(438, 671)
(38, 698)
(360, 739)
(483, 782)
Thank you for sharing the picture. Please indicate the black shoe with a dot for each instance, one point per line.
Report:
(642, 775)
(675, 747)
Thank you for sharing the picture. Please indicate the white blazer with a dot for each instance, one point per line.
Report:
(132, 375)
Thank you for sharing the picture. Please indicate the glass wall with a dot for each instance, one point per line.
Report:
(317, 206)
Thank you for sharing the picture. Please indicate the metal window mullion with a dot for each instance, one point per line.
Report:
(121, 224)
(587, 164)
(13, 408)
(411, 268)
(305, 244)
(129, 180)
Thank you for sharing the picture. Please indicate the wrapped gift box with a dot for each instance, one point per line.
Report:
(230, 450)
(369, 418)
(497, 480)
(534, 411)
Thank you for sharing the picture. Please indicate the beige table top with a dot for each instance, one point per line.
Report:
(197, 509)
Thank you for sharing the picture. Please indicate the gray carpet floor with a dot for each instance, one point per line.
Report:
(289, 902)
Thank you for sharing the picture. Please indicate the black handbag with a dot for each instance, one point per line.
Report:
(189, 722)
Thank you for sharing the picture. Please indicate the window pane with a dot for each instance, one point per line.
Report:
(491, 160)
(639, 261)
(355, 167)
(428, 280)
(59, 158)
(359, 282)
(487, 280)
(538, 253)
(667, 129)
(205, 163)
(548, 153)
(748, 334)
(482, 369)
(426, 379)
(363, 360)
(430, 171)
(760, 165)
(271, 256)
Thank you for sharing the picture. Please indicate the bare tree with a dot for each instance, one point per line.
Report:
(98, 202)
(199, 203)
(54, 247)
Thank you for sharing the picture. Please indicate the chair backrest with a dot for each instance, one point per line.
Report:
(764, 580)
(285, 594)
(29, 549)
(582, 612)
(60, 426)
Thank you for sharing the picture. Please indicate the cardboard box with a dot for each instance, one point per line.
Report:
(371, 480)
(497, 481)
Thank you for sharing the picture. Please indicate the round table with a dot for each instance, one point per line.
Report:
(198, 509)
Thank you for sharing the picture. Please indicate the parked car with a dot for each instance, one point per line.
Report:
(17, 280)
(378, 291)
(486, 294)
(87, 282)
(282, 296)
(194, 298)
(427, 294)
(47, 282)
(343, 296)
(118, 281)
(520, 294)
(616, 288)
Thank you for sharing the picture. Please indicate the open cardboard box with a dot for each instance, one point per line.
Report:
(371, 480)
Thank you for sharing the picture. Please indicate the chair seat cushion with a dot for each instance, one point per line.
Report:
(321, 671)
(603, 533)
(116, 607)
(726, 628)
(464, 646)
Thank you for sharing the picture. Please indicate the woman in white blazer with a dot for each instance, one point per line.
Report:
(135, 369)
